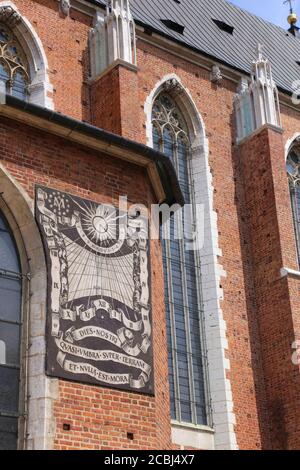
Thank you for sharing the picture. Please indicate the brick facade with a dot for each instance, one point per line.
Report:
(272, 246)
(98, 417)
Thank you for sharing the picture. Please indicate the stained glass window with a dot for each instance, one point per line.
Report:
(293, 169)
(182, 277)
(10, 326)
(13, 65)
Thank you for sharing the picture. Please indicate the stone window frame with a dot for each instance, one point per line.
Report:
(24, 270)
(221, 434)
(40, 89)
(170, 117)
(293, 144)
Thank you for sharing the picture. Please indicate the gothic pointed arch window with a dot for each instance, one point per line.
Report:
(182, 276)
(14, 69)
(293, 170)
(10, 334)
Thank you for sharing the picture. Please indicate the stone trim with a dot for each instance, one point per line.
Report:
(113, 37)
(257, 102)
(287, 272)
(41, 391)
(279, 130)
(198, 437)
(116, 63)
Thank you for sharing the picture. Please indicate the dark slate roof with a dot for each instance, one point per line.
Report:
(203, 35)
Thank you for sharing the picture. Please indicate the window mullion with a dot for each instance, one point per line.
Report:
(6, 414)
(10, 275)
(203, 345)
(15, 68)
(187, 326)
(173, 325)
(180, 225)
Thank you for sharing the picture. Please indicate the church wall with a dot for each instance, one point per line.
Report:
(291, 130)
(252, 407)
(65, 41)
(98, 417)
(215, 104)
(271, 235)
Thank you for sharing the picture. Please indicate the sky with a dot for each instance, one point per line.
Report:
(271, 10)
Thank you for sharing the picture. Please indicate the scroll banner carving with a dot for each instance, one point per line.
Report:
(98, 311)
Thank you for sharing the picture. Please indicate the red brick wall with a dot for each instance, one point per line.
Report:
(249, 336)
(290, 119)
(115, 105)
(106, 106)
(99, 417)
(271, 236)
(290, 122)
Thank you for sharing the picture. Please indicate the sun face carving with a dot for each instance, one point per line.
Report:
(100, 223)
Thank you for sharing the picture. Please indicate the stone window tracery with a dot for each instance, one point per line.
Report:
(293, 169)
(13, 64)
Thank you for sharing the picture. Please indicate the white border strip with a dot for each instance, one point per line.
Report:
(285, 272)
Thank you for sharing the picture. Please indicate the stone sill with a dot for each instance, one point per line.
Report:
(258, 131)
(116, 63)
(189, 435)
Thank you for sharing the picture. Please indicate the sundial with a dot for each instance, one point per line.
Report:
(98, 311)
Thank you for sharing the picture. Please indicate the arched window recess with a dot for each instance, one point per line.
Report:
(14, 290)
(23, 62)
(182, 275)
(293, 171)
